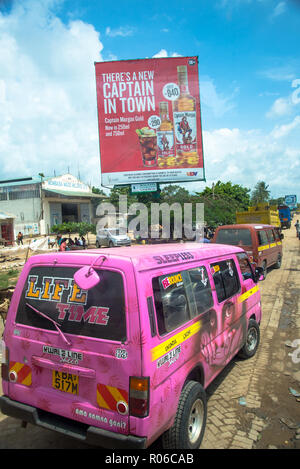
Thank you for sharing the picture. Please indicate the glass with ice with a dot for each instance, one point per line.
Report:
(148, 142)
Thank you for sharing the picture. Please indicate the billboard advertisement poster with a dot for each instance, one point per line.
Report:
(149, 121)
(291, 201)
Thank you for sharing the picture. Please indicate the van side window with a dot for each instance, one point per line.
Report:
(244, 266)
(271, 236)
(201, 290)
(277, 235)
(262, 238)
(226, 279)
(171, 303)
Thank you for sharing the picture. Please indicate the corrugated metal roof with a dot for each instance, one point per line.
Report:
(21, 182)
(5, 216)
(75, 194)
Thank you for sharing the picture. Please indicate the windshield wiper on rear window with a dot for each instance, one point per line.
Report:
(56, 324)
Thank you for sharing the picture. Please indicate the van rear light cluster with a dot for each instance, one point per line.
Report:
(250, 255)
(4, 353)
(139, 396)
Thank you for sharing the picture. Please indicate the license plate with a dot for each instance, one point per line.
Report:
(65, 382)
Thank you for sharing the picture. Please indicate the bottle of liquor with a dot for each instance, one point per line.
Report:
(185, 123)
(165, 137)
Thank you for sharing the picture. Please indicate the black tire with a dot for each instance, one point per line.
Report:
(188, 429)
(97, 244)
(110, 244)
(264, 266)
(278, 263)
(252, 340)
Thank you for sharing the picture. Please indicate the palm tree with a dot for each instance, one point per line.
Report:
(260, 193)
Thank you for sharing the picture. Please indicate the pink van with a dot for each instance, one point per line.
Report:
(116, 348)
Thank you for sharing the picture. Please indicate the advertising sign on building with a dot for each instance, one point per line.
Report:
(67, 182)
(149, 120)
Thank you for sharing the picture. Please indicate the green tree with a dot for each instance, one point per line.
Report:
(278, 201)
(260, 193)
(96, 190)
(222, 201)
(116, 192)
(174, 193)
(238, 194)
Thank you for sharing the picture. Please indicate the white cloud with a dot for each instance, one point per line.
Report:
(285, 129)
(163, 53)
(218, 103)
(283, 73)
(280, 107)
(232, 3)
(123, 31)
(48, 117)
(245, 157)
(286, 106)
(279, 9)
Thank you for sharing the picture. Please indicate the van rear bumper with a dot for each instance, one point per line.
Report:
(85, 433)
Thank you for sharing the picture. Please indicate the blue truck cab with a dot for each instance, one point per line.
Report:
(285, 216)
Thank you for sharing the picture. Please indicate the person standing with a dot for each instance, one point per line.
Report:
(63, 245)
(59, 240)
(20, 238)
(297, 226)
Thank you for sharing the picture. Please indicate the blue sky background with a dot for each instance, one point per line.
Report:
(249, 68)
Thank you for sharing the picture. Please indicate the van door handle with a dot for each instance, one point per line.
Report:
(78, 370)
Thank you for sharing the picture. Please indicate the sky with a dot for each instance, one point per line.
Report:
(249, 72)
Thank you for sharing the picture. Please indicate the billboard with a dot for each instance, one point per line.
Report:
(291, 201)
(149, 121)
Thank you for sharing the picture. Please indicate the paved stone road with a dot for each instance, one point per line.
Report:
(261, 381)
(229, 425)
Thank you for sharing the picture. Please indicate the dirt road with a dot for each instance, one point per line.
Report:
(251, 404)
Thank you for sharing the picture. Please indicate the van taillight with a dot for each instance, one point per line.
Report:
(4, 360)
(139, 396)
(250, 255)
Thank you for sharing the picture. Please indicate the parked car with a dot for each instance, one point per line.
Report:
(111, 237)
(117, 349)
(263, 243)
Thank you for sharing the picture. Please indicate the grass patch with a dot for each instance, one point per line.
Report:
(9, 278)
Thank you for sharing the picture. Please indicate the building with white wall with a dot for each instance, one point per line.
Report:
(38, 203)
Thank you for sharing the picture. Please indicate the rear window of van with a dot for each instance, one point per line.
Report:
(181, 296)
(234, 237)
(99, 312)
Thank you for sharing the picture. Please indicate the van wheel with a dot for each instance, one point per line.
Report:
(278, 263)
(97, 244)
(189, 425)
(252, 340)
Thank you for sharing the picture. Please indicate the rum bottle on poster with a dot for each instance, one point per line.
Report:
(185, 122)
(165, 137)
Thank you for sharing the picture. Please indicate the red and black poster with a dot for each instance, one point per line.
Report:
(149, 120)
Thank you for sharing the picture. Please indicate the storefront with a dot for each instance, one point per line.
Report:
(6, 229)
(39, 203)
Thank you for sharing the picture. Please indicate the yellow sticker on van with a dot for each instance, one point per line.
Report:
(177, 339)
(247, 294)
(263, 248)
